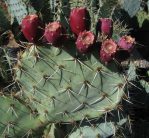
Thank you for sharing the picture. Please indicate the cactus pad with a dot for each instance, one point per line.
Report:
(63, 86)
(16, 119)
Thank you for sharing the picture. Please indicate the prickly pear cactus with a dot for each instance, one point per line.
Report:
(16, 119)
(64, 86)
(58, 83)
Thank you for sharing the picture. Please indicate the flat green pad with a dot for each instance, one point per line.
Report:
(65, 87)
(16, 120)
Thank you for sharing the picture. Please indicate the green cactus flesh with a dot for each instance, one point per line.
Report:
(16, 120)
(100, 130)
(65, 87)
(106, 129)
(131, 6)
(19, 9)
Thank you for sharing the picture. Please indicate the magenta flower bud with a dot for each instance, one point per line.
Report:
(85, 41)
(108, 50)
(126, 42)
(79, 20)
(106, 26)
(54, 32)
(30, 27)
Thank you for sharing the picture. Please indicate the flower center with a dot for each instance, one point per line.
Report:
(129, 39)
(88, 38)
(109, 47)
